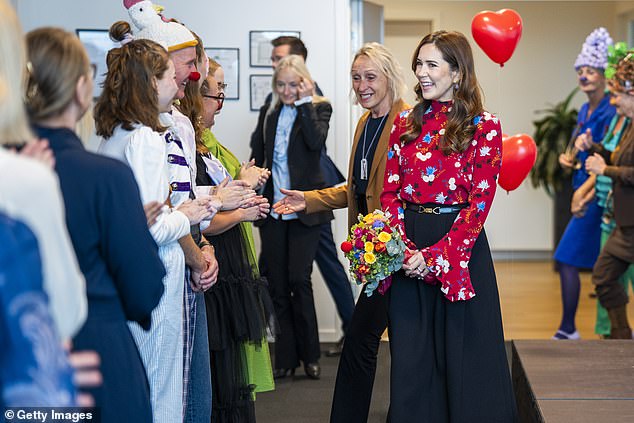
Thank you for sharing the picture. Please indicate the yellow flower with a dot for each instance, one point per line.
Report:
(369, 258)
(384, 237)
(368, 218)
(369, 247)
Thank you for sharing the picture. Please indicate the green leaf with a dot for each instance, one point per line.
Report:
(552, 134)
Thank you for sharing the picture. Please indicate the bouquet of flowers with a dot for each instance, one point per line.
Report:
(375, 251)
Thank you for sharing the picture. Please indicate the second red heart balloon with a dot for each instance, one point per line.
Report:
(519, 153)
(497, 33)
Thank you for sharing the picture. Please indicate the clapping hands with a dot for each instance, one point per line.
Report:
(255, 176)
(595, 164)
(234, 194)
(198, 209)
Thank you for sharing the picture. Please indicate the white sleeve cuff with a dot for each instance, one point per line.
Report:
(304, 100)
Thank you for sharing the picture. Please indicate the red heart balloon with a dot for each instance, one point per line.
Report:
(497, 33)
(519, 153)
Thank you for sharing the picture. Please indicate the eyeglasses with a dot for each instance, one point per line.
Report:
(220, 98)
(222, 86)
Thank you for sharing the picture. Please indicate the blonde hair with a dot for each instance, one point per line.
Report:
(14, 126)
(213, 66)
(297, 65)
(383, 59)
(59, 60)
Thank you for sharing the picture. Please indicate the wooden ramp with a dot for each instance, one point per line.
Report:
(574, 381)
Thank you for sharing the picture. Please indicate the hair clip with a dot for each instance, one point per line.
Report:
(126, 39)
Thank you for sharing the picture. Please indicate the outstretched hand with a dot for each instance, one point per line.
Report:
(293, 202)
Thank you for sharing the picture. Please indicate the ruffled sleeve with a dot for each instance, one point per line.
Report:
(449, 257)
(391, 200)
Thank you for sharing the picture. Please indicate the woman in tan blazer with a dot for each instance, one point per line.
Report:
(378, 85)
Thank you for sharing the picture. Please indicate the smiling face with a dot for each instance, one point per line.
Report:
(370, 86)
(590, 79)
(211, 106)
(286, 86)
(435, 76)
(184, 64)
(166, 88)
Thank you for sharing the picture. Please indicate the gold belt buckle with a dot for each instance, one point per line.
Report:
(429, 210)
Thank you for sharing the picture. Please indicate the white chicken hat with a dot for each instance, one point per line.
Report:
(152, 26)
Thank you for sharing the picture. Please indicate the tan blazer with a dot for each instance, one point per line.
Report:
(343, 196)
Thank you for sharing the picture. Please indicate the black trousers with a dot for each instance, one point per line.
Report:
(288, 251)
(357, 365)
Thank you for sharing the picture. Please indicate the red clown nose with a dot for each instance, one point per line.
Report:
(194, 76)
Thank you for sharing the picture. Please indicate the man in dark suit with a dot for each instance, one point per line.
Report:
(329, 265)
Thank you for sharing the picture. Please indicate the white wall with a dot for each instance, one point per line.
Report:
(325, 28)
(539, 73)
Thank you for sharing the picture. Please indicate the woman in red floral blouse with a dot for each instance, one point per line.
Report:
(446, 338)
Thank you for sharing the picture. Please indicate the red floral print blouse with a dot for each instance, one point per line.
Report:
(419, 172)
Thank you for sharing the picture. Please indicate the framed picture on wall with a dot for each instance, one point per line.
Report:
(260, 46)
(229, 59)
(260, 88)
(97, 43)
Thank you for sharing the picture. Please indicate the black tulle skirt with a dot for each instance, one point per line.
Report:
(239, 311)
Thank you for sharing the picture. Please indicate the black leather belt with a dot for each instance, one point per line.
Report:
(434, 209)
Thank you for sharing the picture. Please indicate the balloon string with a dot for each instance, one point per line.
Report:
(500, 98)
(510, 261)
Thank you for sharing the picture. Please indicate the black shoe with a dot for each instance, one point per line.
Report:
(312, 370)
(336, 350)
(282, 373)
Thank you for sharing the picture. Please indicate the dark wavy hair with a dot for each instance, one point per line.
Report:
(467, 97)
(129, 92)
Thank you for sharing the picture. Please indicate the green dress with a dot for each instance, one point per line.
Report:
(258, 359)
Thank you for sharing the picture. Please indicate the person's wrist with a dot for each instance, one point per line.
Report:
(304, 100)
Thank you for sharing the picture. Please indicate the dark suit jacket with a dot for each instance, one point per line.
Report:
(306, 142)
(343, 196)
(332, 174)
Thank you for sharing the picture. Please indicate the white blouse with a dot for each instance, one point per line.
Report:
(144, 150)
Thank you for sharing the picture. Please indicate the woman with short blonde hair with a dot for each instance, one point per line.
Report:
(288, 139)
(377, 83)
